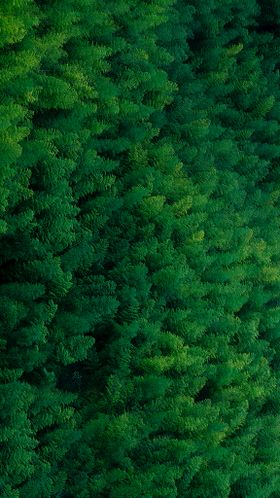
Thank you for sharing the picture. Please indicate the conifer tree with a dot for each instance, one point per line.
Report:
(139, 249)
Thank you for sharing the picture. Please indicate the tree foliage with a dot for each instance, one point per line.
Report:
(139, 253)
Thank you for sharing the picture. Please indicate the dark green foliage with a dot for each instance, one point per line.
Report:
(139, 253)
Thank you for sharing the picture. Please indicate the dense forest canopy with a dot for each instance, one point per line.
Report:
(139, 249)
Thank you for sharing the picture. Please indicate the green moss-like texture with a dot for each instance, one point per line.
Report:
(139, 249)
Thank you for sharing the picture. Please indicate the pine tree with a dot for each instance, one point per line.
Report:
(139, 249)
